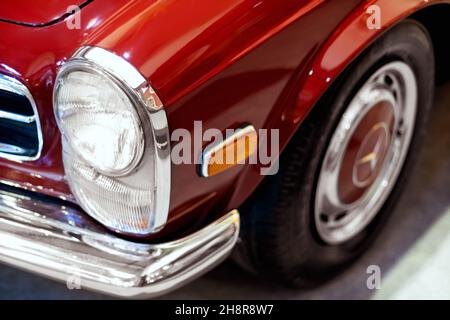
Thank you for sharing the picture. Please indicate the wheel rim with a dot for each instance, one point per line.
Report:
(366, 153)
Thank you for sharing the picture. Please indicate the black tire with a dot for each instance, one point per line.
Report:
(278, 236)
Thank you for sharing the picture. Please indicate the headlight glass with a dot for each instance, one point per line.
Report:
(99, 121)
(115, 168)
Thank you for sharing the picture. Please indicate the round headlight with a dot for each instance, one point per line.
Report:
(99, 121)
(115, 140)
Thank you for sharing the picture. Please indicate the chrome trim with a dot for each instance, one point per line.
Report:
(142, 94)
(13, 85)
(16, 117)
(136, 84)
(216, 146)
(61, 243)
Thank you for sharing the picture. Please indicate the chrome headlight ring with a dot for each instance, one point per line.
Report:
(147, 175)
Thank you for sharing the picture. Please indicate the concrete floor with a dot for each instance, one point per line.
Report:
(412, 252)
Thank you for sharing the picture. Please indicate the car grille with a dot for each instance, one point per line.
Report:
(20, 130)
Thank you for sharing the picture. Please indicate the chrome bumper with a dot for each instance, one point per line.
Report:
(61, 243)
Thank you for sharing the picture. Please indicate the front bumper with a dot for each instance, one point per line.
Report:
(62, 243)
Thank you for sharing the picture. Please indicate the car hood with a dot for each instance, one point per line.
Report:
(34, 13)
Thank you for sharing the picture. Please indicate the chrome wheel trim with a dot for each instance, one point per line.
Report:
(335, 221)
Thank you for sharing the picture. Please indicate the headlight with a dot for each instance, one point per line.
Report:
(99, 121)
(115, 141)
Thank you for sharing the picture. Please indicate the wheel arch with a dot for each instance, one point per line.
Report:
(353, 37)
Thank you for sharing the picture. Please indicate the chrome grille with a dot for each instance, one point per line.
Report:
(20, 130)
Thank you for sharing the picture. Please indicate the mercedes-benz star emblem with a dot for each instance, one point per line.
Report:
(370, 155)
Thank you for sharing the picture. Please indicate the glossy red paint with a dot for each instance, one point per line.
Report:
(32, 13)
(222, 62)
(33, 55)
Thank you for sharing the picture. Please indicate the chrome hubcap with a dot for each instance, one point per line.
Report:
(366, 153)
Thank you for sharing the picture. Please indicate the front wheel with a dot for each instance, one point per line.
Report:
(342, 173)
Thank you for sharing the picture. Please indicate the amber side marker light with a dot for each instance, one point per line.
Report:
(234, 150)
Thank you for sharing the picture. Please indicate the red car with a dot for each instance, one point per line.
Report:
(142, 141)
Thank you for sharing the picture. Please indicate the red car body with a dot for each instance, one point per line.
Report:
(207, 60)
(266, 62)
